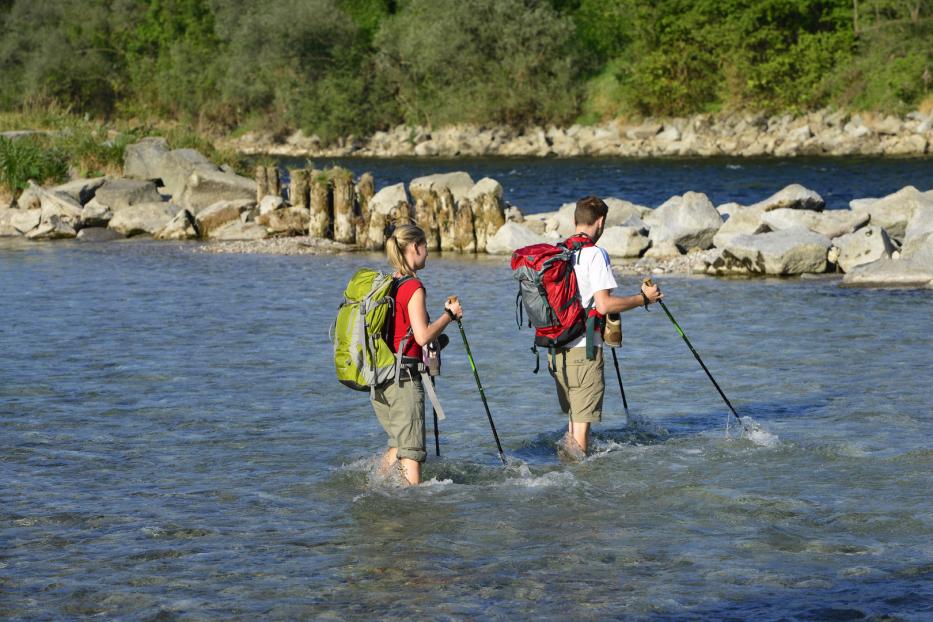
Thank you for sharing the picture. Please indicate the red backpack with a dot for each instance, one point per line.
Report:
(547, 289)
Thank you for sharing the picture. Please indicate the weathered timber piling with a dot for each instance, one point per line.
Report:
(267, 182)
(321, 224)
(488, 210)
(365, 189)
(299, 188)
(344, 200)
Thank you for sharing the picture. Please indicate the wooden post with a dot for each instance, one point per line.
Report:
(298, 188)
(321, 224)
(365, 189)
(344, 198)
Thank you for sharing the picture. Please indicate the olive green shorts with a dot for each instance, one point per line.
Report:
(580, 384)
(400, 410)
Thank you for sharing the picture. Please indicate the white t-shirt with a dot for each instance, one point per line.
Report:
(594, 273)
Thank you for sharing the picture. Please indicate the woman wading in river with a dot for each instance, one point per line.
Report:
(399, 404)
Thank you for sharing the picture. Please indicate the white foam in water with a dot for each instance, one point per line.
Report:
(552, 478)
(753, 431)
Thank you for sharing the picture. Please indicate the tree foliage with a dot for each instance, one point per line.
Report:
(335, 67)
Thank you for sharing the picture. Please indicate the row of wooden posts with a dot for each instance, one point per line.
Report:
(339, 209)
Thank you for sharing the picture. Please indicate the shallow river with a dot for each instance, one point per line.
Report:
(174, 446)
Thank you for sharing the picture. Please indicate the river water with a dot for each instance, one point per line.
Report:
(174, 446)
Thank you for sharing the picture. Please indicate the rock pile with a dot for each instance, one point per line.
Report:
(824, 132)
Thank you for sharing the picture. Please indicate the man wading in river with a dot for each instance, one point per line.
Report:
(579, 379)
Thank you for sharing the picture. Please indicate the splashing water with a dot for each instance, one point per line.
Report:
(754, 432)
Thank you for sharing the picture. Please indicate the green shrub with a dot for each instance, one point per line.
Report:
(26, 158)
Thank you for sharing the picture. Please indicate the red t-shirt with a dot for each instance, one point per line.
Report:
(402, 322)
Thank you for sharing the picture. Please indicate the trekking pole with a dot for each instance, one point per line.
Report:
(615, 360)
(479, 385)
(437, 437)
(648, 282)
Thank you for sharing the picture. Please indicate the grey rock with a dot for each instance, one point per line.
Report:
(81, 190)
(177, 166)
(792, 251)
(142, 218)
(206, 188)
(29, 198)
(219, 214)
(182, 226)
(53, 227)
(459, 183)
(894, 211)
(270, 203)
(93, 214)
(143, 160)
(793, 196)
(622, 212)
(239, 230)
(688, 221)
(25, 221)
(742, 221)
(118, 194)
(862, 247)
(389, 199)
(511, 236)
(916, 271)
(622, 241)
(663, 249)
(288, 221)
(98, 234)
(7, 229)
(831, 223)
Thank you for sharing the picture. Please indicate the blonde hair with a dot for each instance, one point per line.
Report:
(398, 242)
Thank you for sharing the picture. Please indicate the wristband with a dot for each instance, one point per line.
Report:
(644, 297)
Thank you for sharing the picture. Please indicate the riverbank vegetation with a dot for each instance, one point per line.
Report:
(340, 67)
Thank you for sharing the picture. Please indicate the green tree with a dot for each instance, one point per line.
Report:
(505, 61)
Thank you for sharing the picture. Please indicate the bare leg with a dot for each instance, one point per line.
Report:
(412, 470)
(388, 459)
(580, 432)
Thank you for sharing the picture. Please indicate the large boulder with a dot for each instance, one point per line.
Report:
(150, 159)
(741, 221)
(178, 165)
(793, 196)
(913, 271)
(288, 221)
(143, 218)
(205, 188)
(511, 236)
(624, 213)
(143, 160)
(919, 233)
(862, 247)
(117, 194)
(182, 226)
(624, 241)
(239, 230)
(220, 214)
(25, 220)
(53, 227)
(688, 221)
(81, 190)
(60, 215)
(6, 222)
(894, 211)
(460, 184)
(831, 223)
(792, 251)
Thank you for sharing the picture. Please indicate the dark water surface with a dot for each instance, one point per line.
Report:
(174, 446)
(542, 185)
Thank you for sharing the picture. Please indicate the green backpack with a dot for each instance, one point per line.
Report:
(361, 355)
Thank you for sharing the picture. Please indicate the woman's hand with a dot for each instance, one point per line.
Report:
(453, 306)
(652, 292)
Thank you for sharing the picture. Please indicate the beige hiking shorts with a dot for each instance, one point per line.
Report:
(580, 384)
(400, 410)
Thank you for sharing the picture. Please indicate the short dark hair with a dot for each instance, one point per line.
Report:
(589, 210)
